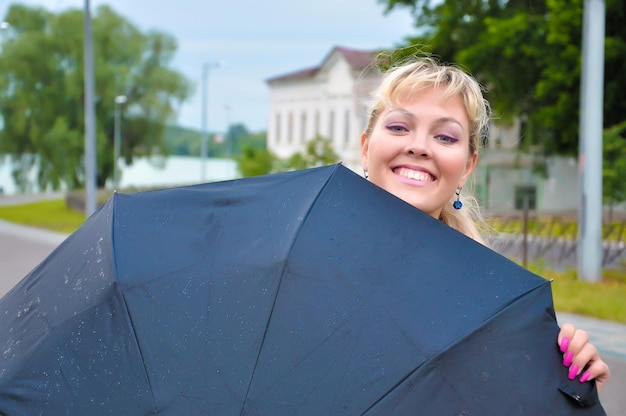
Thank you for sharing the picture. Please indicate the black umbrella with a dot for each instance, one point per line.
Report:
(304, 293)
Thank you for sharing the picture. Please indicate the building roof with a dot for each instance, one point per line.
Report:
(357, 59)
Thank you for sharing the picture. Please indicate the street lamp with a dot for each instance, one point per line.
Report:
(119, 100)
(590, 139)
(90, 117)
(204, 146)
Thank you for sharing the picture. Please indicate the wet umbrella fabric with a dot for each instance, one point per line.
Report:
(303, 293)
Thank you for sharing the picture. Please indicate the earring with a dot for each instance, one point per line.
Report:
(365, 174)
(457, 204)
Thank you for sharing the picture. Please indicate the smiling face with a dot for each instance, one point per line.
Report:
(418, 149)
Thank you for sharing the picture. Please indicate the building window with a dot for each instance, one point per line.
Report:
(278, 128)
(346, 133)
(525, 197)
(331, 125)
(526, 135)
(290, 128)
(317, 124)
(303, 128)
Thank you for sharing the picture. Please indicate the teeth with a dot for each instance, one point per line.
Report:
(415, 175)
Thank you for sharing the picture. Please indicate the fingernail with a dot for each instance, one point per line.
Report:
(567, 360)
(573, 370)
(564, 344)
(585, 376)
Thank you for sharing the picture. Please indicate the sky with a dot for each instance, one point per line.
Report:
(254, 41)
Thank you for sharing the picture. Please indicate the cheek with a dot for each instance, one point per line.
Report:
(381, 149)
(455, 166)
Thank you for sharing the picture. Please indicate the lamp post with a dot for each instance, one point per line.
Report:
(204, 146)
(117, 139)
(90, 117)
(590, 149)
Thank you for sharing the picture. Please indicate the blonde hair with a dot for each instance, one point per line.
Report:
(407, 80)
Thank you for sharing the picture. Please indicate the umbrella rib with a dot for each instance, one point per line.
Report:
(280, 281)
(452, 344)
(116, 287)
(138, 345)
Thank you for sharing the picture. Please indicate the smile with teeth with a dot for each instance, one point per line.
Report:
(414, 174)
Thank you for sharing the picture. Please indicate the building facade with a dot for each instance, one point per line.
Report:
(328, 100)
(331, 100)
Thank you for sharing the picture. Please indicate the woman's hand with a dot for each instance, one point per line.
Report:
(581, 357)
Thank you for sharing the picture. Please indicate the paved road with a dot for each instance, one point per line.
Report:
(22, 248)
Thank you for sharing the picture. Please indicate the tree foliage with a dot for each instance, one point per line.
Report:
(42, 89)
(319, 152)
(527, 53)
(614, 164)
(254, 161)
(183, 141)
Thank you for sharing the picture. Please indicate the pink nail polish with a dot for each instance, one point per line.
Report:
(573, 370)
(585, 376)
(564, 344)
(567, 360)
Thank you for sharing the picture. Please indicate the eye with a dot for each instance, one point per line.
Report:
(396, 128)
(445, 139)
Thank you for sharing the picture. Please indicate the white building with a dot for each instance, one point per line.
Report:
(330, 100)
(327, 100)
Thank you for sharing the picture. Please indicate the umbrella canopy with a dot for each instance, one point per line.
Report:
(304, 293)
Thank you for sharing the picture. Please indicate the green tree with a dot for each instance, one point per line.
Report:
(614, 165)
(254, 161)
(528, 55)
(319, 152)
(41, 91)
(242, 138)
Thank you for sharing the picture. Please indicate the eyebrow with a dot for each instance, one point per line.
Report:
(439, 120)
(451, 120)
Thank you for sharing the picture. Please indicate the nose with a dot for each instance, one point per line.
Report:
(419, 145)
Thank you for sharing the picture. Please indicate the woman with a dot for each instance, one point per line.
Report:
(421, 144)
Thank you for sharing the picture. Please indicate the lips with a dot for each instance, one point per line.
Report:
(416, 175)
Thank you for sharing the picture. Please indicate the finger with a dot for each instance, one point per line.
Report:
(598, 371)
(578, 341)
(565, 335)
(587, 355)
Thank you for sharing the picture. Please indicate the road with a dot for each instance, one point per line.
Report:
(23, 248)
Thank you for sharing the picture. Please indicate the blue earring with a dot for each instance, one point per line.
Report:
(457, 204)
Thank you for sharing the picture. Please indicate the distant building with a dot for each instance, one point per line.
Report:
(507, 178)
(331, 100)
(328, 100)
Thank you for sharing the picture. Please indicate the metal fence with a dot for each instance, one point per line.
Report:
(553, 240)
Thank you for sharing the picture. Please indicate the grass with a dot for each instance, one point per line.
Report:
(602, 300)
(550, 227)
(50, 215)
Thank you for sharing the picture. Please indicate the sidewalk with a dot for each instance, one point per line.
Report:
(608, 337)
(20, 199)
